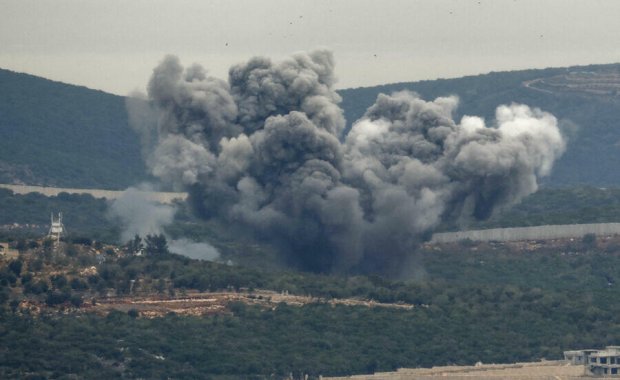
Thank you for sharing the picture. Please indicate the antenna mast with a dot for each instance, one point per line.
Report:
(57, 229)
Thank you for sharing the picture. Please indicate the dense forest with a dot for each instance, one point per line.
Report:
(55, 134)
(485, 304)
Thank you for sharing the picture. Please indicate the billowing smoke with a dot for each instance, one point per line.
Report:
(414, 166)
(264, 150)
(194, 250)
(139, 215)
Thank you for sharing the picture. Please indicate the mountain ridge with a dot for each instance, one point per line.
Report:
(80, 137)
(58, 134)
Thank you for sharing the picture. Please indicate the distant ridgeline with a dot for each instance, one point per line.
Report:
(585, 99)
(56, 134)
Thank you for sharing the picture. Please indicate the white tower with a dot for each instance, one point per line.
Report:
(57, 229)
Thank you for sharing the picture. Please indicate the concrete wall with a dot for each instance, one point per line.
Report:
(162, 197)
(529, 233)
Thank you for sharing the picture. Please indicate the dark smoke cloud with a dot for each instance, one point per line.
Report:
(264, 150)
(415, 166)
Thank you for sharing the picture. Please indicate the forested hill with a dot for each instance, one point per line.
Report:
(57, 134)
(63, 135)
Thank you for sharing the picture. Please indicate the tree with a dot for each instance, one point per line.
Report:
(134, 245)
(133, 313)
(56, 298)
(38, 287)
(83, 241)
(21, 245)
(58, 281)
(156, 245)
(15, 266)
(48, 244)
(78, 284)
(76, 300)
(589, 240)
(71, 250)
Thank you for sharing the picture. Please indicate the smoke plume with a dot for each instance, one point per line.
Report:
(139, 215)
(194, 250)
(264, 150)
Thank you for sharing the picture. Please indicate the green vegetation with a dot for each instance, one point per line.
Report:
(62, 135)
(83, 215)
(556, 206)
(314, 339)
(472, 303)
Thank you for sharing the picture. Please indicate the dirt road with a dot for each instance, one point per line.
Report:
(550, 370)
(196, 303)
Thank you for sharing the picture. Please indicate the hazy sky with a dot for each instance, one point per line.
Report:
(113, 45)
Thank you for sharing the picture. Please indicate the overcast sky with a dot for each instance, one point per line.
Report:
(113, 45)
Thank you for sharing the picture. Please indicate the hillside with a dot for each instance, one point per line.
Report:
(62, 135)
(585, 100)
(161, 315)
(57, 134)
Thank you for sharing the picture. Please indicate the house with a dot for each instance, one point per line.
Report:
(597, 363)
(604, 362)
(578, 357)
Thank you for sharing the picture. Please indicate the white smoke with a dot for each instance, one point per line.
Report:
(139, 215)
(194, 250)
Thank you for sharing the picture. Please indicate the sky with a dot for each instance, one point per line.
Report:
(113, 45)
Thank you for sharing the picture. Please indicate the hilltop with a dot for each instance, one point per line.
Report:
(585, 99)
(56, 134)
(62, 135)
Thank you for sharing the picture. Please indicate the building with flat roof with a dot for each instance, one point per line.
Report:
(597, 363)
(604, 363)
(578, 357)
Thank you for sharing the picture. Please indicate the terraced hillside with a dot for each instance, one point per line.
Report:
(584, 99)
(605, 83)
